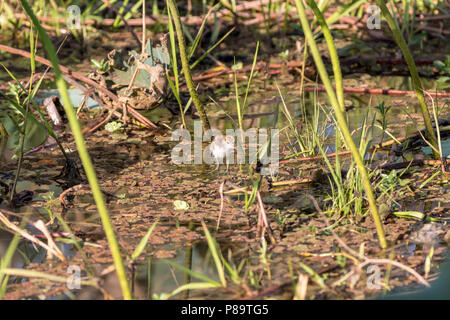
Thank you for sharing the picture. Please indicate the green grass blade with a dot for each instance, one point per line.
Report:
(333, 54)
(414, 75)
(42, 275)
(255, 57)
(341, 121)
(313, 274)
(213, 247)
(192, 66)
(143, 243)
(343, 11)
(193, 286)
(84, 155)
(200, 32)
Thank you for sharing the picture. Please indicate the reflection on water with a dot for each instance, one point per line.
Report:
(153, 277)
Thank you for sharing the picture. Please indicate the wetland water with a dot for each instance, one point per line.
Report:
(141, 184)
(144, 188)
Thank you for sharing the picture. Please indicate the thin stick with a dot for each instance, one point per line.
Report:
(62, 196)
(221, 203)
(26, 235)
(263, 216)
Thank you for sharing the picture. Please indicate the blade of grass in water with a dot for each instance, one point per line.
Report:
(37, 274)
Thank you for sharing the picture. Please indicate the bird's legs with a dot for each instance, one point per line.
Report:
(217, 164)
(227, 162)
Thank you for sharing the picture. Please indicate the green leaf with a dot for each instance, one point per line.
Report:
(35, 135)
(409, 214)
(181, 205)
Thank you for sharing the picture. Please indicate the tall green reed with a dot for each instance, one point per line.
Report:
(341, 121)
(185, 64)
(175, 85)
(414, 74)
(84, 155)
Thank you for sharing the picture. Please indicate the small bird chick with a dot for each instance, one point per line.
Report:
(220, 147)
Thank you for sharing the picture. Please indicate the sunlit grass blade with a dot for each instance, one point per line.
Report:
(118, 21)
(215, 252)
(313, 274)
(42, 275)
(208, 51)
(343, 11)
(200, 32)
(143, 243)
(333, 54)
(255, 58)
(84, 155)
(173, 60)
(193, 286)
(232, 271)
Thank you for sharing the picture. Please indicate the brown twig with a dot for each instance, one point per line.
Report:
(295, 64)
(263, 223)
(62, 196)
(90, 130)
(221, 204)
(50, 249)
